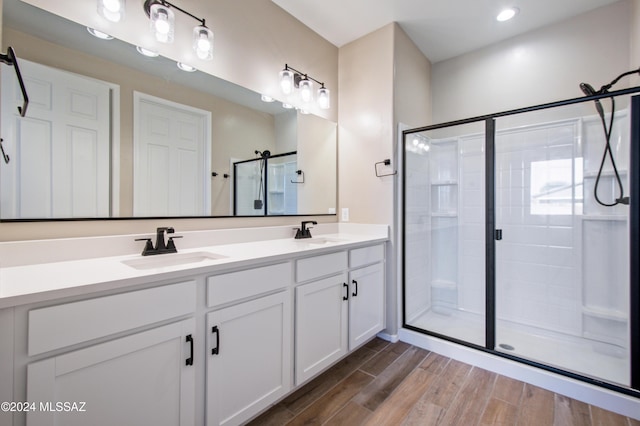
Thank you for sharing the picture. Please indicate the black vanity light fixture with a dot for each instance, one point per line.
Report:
(160, 12)
(162, 23)
(292, 80)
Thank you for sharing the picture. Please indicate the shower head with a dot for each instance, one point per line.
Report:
(588, 90)
(264, 154)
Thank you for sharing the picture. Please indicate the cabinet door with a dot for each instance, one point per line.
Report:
(321, 325)
(366, 304)
(142, 379)
(248, 358)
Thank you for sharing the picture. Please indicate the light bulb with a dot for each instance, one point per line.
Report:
(306, 90)
(507, 14)
(324, 101)
(162, 23)
(111, 10)
(203, 42)
(99, 34)
(147, 52)
(185, 67)
(112, 5)
(286, 81)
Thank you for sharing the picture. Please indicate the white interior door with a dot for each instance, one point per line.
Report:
(172, 158)
(60, 151)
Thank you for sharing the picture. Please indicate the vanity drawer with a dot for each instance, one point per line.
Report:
(320, 266)
(64, 325)
(366, 255)
(226, 288)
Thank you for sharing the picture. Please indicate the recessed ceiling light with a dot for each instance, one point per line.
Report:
(507, 14)
(99, 34)
(267, 98)
(185, 67)
(147, 52)
(286, 105)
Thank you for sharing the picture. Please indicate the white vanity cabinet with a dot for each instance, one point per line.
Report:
(321, 325)
(367, 294)
(194, 346)
(249, 343)
(339, 306)
(147, 377)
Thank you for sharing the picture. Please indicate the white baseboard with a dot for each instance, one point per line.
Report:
(393, 338)
(604, 398)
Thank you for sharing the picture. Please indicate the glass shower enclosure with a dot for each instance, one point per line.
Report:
(508, 246)
(266, 185)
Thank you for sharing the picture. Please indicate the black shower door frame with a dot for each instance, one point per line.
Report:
(490, 236)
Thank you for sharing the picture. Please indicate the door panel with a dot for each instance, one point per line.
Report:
(60, 152)
(172, 164)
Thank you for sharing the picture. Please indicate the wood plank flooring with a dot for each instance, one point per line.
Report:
(400, 384)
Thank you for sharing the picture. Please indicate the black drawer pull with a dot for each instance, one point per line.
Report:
(216, 350)
(189, 361)
(347, 288)
(355, 293)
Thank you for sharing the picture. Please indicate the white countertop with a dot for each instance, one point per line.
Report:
(52, 280)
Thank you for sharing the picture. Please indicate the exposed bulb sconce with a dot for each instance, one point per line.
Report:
(292, 79)
(162, 22)
(111, 10)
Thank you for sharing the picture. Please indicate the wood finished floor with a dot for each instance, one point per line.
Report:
(400, 384)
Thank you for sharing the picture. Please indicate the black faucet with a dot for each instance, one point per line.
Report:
(303, 232)
(161, 247)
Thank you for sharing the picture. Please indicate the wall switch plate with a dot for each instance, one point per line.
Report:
(345, 214)
(332, 210)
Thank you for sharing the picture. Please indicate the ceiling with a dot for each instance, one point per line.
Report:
(442, 29)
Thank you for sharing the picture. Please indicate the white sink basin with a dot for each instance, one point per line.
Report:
(319, 240)
(172, 259)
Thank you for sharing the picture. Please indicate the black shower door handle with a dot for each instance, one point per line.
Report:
(355, 293)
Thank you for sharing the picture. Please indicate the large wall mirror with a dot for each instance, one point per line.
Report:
(112, 133)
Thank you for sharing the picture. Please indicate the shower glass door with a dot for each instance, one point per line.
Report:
(444, 232)
(562, 259)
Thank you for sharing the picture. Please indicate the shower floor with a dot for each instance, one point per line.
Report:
(558, 350)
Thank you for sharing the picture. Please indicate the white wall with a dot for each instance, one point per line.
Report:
(384, 79)
(540, 66)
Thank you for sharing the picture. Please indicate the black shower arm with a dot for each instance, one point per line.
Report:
(10, 59)
(606, 87)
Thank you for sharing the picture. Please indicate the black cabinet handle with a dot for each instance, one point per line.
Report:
(189, 361)
(216, 330)
(355, 293)
(347, 288)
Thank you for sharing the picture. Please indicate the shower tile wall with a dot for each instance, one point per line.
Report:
(471, 293)
(537, 263)
(417, 235)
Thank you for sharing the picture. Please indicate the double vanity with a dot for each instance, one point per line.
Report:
(213, 334)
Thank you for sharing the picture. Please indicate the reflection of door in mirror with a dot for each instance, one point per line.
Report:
(172, 158)
(60, 152)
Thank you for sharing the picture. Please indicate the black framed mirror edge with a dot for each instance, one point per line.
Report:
(98, 219)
